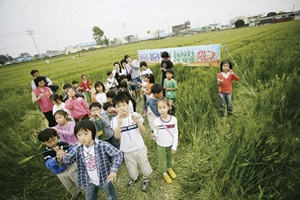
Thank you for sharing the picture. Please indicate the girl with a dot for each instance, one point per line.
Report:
(77, 106)
(65, 128)
(58, 104)
(116, 71)
(100, 93)
(165, 132)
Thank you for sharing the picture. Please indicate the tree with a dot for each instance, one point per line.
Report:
(239, 23)
(97, 35)
(5, 58)
(106, 41)
(25, 54)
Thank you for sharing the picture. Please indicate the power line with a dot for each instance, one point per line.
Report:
(30, 32)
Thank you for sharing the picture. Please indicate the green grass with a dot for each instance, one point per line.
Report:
(251, 155)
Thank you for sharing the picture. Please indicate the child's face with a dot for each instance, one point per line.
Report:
(85, 137)
(54, 102)
(145, 78)
(60, 119)
(36, 74)
(109, 99)
(71, 92)
(52, 142)
(162, 108)
(110, 110)
(95, 110)
(165, 59)
(117, 66)
(41, 83)
(124, 64)
(225, 67)
(75, 85)
(169, 75)
(158, 95)
(83, 77)
(143, 67)
(110, 76)
(99, 88)
(122, 108)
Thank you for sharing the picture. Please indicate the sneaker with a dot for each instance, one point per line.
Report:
(172, 173)
(131, 182)
(145, 184)
(76, 197)
(167, 178)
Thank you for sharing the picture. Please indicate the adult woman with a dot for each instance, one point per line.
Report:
(41, 95)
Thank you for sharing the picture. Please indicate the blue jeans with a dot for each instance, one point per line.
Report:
(135, 80)
(225, 99)
(92, 190)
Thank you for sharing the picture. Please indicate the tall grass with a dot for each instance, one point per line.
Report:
(251, 155)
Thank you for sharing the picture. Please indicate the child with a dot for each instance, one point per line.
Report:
(128, 128)
(148, 81)
(94, 170)
(100, 93)
(66, 175)
(110, 95)
(77, 106)
(145, 69)
(126, 70)
(63, 94)
(86, 86)
(134, 65)
(225, 78)
(132, 102)
(166, 63)
(110, 110)
(170, 86)
(165, 133)
(102, 124)
(126, 84)
(65, 128)
(111, 82)
(58, 105)
(116, 71)
(152, 112)
(75, 85)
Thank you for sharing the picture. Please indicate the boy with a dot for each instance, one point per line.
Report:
(170, 86)
(111, 82)
(145, 69)
(75, 85)
(166, 63)
(94, 170)
(110, 110)
(35, 73)
(128, 128)
(225, 78)
(102, 124)
(67, 176)
(152, 112)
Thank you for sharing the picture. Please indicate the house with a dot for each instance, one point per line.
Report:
(297, 15)
(254, 20)
(181, 27)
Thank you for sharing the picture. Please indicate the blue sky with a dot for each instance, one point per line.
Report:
(60, 23)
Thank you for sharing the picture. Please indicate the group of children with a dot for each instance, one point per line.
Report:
(94, 133)
(91, 139)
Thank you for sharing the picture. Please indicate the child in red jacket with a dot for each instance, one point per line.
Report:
(225, 78)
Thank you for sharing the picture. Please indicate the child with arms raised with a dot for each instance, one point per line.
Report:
(102, 124)
(94, 170)
(165, 132)
(66, 175)
(128, 128)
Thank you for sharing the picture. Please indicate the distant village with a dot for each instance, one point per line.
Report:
(177, 30)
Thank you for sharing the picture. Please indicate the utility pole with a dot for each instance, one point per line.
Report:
(30, 32)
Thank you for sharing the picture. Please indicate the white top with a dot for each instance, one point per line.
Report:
(131, 138)
(147, 71)
(111, 82)
(166, 132)
(101, 98)
(61, 107)
(91, 166)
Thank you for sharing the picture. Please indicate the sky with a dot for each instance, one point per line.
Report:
(56, 24)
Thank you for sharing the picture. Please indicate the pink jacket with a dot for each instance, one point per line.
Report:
(78, 107)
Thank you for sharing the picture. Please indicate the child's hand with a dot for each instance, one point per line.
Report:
(111, 177)
(173, 151)
(135, 118)
(59, 153)
(153, 136)
(120, 117)
(42, 95)
(231, 72)
(96, 115)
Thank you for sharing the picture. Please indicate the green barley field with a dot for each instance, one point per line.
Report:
(254, 154)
